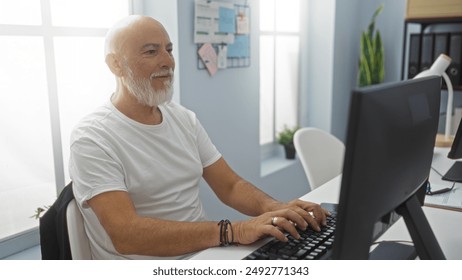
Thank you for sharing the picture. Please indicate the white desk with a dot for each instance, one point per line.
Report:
(446, 224)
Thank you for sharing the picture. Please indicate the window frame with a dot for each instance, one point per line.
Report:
(28, 238)
(272, 149)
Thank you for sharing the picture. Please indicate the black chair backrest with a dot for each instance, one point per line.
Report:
(54, 239)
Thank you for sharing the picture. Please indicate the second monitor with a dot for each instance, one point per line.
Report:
(454, 174)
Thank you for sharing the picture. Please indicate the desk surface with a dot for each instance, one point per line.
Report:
(446, 224)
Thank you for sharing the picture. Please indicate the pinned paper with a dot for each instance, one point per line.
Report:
(222, 57)
(240, 47)
(214, 22)
(243, 25)
(227, 20)
(209, 58)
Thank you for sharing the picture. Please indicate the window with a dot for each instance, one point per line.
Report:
(279, 66)
(52, 73)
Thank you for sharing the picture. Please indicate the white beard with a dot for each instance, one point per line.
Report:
(143, 91)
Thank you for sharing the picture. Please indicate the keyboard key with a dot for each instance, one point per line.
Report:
(301, 253)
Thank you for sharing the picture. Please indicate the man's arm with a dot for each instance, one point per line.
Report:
(237, 192)
(134, 234)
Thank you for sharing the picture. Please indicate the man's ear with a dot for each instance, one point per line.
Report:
(114, 64)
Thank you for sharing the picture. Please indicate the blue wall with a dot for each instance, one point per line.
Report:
(333, 33)
(351, 18)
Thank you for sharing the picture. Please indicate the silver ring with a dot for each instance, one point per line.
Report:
(312, 214)
(274, 220)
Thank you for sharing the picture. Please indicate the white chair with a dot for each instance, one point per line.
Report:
(78, 239)
(321, 155)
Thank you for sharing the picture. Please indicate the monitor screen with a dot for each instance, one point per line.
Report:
(389, 149)
(454, 174)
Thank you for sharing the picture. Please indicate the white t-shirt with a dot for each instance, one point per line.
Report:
(158, 165)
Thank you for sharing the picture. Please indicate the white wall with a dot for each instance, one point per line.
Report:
(317, 65)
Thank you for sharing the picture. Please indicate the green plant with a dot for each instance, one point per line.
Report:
(39, 212)
(286, 136)
(372, 59)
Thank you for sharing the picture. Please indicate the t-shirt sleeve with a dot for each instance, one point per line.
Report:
(93, 170)
(208, 153)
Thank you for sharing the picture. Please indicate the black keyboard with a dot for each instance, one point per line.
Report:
(312, 245)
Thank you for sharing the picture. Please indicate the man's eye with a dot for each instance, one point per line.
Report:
(151, 52)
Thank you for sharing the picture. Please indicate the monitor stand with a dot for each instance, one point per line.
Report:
(389, 250)
(454, 173)
(424, 239)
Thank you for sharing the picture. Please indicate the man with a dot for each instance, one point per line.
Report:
(136, 163)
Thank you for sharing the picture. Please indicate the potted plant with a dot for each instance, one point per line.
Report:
(372, 58)
(286, 139)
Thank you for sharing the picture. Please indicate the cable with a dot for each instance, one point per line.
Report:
(437, 172)
(445, 190)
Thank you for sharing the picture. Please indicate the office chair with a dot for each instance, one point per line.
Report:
(78, 239)
(321, 155)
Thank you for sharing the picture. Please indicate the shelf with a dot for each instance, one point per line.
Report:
(433, 9)
(435, 20)
(443, 25)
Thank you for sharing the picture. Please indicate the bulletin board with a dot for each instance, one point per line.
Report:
(222, 35)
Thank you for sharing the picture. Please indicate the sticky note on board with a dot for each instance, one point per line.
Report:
(209, 58)
(222, 61)
(227, 20)
(242, 24)
(240, 47)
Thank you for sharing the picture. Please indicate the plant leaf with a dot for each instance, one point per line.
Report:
(366, 60)
(371, 61)
(379, 59)
(371, 27)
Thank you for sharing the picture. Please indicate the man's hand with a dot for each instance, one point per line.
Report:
(284, 218)
(316, 214)
(313, 213)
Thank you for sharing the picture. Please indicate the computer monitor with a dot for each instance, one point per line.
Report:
(389, 149)
(454, 174)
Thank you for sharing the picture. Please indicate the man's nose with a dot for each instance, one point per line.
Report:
(167, 60)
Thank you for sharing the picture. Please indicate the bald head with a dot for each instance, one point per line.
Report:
(134, 38)
(138, 52)
(125, 29)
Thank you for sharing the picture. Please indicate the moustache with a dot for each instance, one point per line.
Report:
(165, 73)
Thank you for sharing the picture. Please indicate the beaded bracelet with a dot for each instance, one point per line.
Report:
(225, 226)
